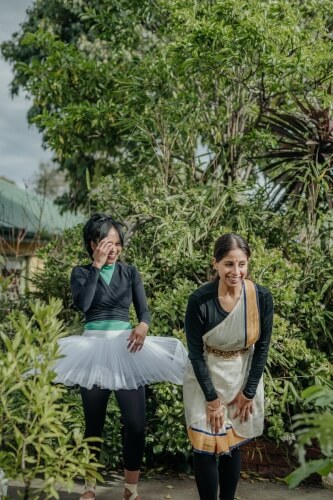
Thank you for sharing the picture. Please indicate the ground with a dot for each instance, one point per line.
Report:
(183, 488)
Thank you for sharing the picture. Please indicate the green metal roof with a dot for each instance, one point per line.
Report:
(22, 209)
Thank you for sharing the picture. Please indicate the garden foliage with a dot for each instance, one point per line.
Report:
(316, 424)
(189, 119)
(39, 437)
(173, 251)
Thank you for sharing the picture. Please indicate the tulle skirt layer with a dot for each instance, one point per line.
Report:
(101, 358)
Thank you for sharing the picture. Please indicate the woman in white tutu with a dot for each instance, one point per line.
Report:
(111, 354)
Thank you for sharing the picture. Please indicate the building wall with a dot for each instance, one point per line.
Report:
(20, 263)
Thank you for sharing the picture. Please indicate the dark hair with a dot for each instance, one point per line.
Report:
(229, 241)
(97, 228)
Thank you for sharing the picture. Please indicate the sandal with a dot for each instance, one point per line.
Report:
(89, 488)
(130, 496)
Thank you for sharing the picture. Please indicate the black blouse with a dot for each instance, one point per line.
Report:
(203, 313)
(100, 301)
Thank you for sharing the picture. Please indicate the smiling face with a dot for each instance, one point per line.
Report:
(232, 268)
(115, 246)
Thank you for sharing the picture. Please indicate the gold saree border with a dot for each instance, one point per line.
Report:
(252, 320)
(219, 444)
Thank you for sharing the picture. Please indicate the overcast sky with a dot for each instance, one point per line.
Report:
(20, 145)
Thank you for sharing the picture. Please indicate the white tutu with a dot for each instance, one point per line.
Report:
(101, 358)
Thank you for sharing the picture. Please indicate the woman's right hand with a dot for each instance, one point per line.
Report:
(101, 253)
(215, 415)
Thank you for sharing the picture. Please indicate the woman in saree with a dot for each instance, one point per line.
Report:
(228, 326)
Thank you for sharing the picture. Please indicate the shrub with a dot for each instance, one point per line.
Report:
(38, 435)
(172, 250)
(316, 424)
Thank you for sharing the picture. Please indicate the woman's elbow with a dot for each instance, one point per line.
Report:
(195, 357)
(81, 305)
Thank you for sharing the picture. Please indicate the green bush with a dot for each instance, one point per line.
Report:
(167, 437)
(181, 141)
(314, 425)
(172, 249)
(39, 437)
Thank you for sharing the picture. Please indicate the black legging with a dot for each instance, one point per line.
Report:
(210, 472)
(133, 411)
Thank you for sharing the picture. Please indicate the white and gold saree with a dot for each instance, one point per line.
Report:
(229, 348)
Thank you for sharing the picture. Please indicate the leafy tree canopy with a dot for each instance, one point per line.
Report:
(177, 88)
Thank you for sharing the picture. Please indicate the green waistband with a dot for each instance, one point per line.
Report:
(108, 324)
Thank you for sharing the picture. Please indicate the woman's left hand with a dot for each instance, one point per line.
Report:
(244, 407)
(137, 337)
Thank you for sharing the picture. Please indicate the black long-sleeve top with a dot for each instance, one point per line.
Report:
(203, 313)
(100, 301)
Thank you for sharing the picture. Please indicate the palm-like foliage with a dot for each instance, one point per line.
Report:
(302, 162)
